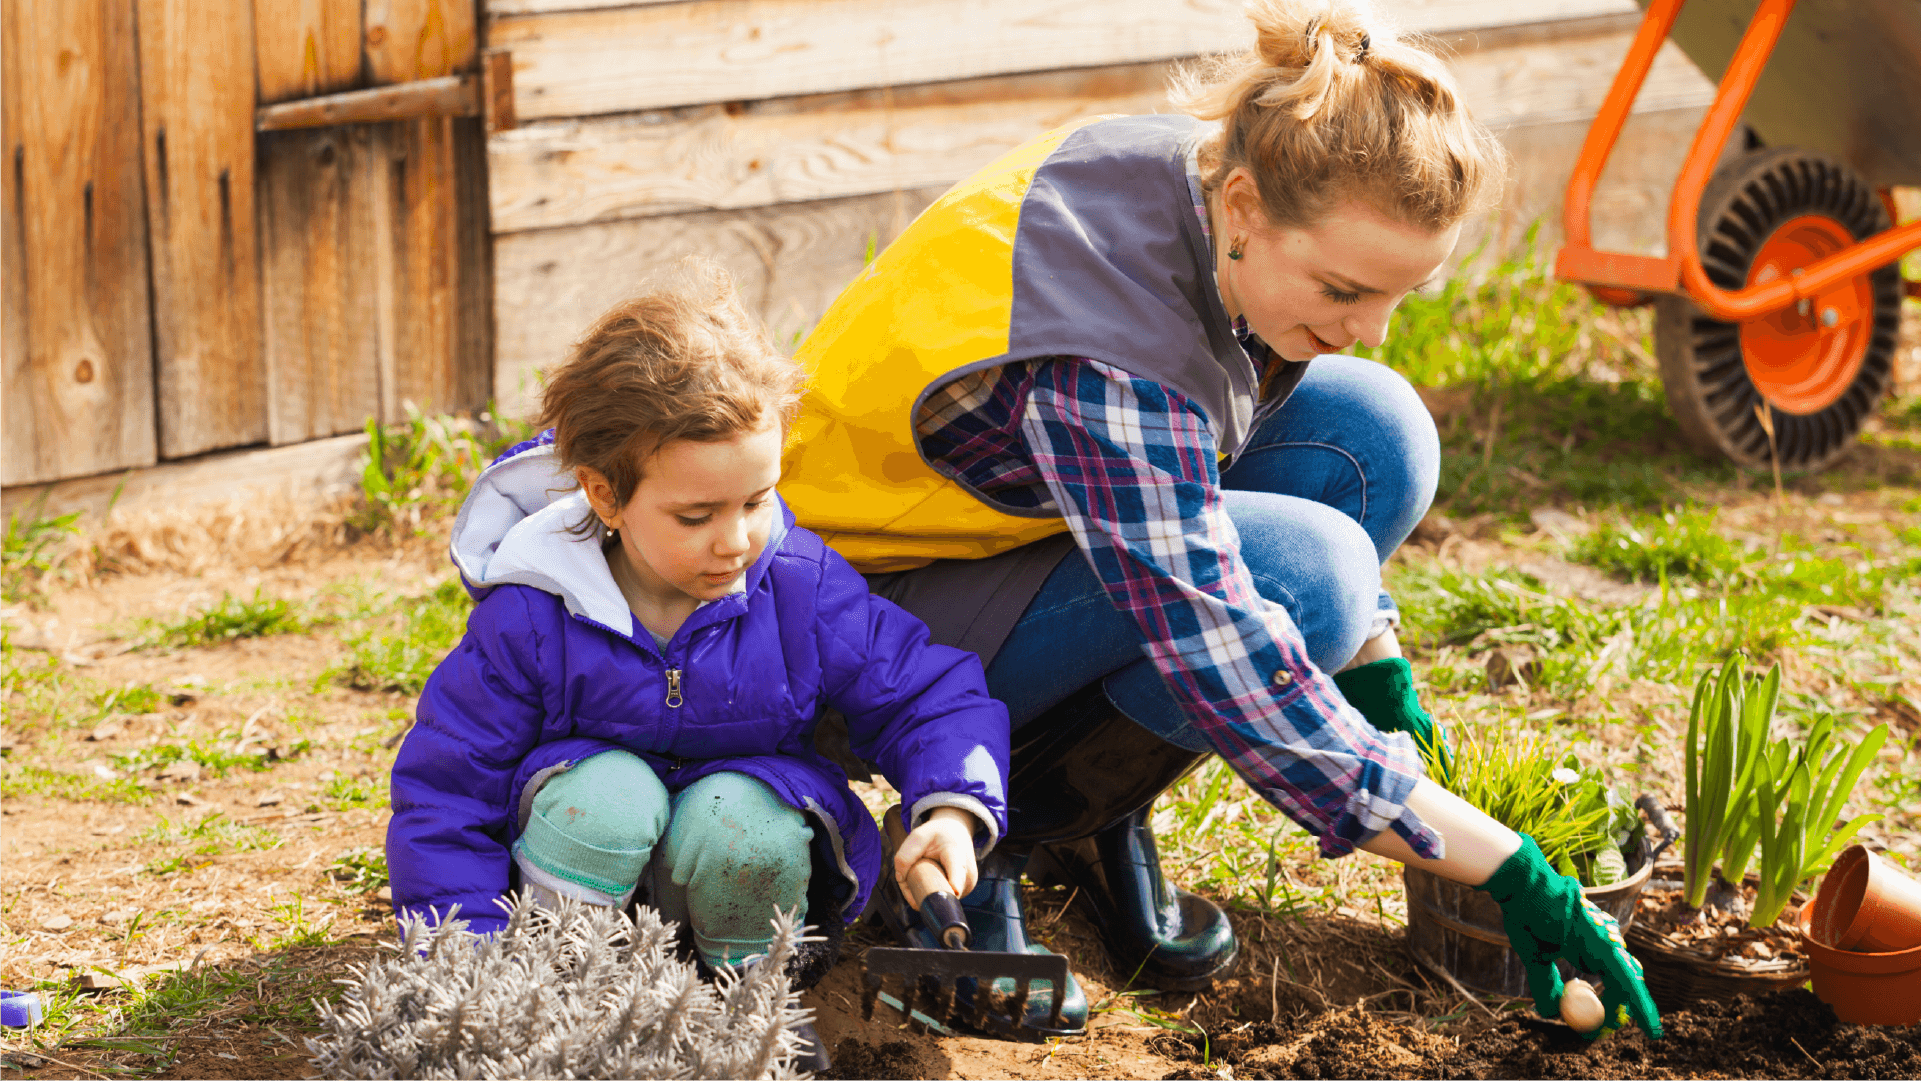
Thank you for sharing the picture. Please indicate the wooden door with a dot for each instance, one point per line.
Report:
(74, 306)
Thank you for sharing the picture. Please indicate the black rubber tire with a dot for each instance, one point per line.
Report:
(1708, 387)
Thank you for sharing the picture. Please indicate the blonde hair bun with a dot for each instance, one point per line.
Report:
(1333, 101)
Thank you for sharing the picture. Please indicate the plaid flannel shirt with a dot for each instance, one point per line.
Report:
(1134, 469)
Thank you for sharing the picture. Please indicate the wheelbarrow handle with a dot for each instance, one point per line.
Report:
(926, 890)
(1658, 818)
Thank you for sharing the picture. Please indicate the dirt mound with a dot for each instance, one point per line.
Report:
(857, 1058)
(1791, 1034)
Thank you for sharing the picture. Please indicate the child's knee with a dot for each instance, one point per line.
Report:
(595, 825)
(731, 832)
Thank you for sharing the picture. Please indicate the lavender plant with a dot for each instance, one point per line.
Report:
(578, 991)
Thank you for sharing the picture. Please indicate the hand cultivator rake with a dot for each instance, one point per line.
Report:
(983, 990)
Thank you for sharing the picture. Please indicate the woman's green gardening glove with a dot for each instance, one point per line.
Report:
(1546, 917)
(1383, 692)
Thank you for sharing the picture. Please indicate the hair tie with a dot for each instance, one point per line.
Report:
(1361, 56)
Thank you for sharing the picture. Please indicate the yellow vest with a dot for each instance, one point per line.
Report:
(941, 301)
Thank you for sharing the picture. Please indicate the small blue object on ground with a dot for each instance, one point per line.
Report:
(19, 1009)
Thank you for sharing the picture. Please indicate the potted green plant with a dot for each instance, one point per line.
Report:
(1751, 799)
(1584, 826)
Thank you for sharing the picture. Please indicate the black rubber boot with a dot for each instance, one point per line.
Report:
(1158, 935)
(1082, 784)
(813, 1056)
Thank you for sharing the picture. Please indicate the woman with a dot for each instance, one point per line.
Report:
(1102, 343)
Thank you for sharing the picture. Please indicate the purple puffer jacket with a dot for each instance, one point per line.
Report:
(554, 669)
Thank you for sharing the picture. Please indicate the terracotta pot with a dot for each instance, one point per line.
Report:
(1865, 988)
(1866, 905)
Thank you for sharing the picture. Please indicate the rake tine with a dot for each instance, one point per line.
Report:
(910, 999)
(977, 1015)
(1018, 1012)
(1054, 1015)
(869, 994)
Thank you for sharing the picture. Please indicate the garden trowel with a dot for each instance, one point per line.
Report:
(983, 990)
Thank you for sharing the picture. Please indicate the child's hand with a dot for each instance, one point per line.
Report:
(946, 836)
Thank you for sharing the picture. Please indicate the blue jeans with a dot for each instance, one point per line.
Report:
(1330, 485)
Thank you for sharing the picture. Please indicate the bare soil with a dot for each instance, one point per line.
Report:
(87, 891)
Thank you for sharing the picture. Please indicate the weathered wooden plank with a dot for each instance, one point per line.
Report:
(539, 7)
(1548, 82)
(836, 145)
(421, 302)
(788, 263)
(418, 39)
(796, 150)
(317, 240)
(306, 47)
(474, 268)
(1397, 9)
(449, 95)
(77, 344)
(581, 63)
(312, 474)
(197, 102)
(1630, 203)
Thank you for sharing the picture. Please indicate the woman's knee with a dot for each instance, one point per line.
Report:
(1355, 435)
(596, 823)
(1316, 562)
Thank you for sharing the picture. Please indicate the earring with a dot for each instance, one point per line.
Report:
(613, 531)
(1234, 250)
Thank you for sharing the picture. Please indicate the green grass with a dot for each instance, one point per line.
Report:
(29, 548)
(1556, 396)
(227, 621)
(19, 779)
(417, 471)
(138, 1033)
(214, 835)
(360, 870)
(216, 756)
(401, 656)
(345, 792)
(129, 698)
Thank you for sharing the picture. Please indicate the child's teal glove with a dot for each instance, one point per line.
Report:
(1546, 917)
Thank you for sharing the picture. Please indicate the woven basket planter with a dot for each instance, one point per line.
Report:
(1678, 974)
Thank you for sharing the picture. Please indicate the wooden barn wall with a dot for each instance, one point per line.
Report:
(782, 138)
(177, 283)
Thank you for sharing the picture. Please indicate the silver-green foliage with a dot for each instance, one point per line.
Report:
(581, 991)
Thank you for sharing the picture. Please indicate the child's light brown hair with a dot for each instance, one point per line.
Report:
(1333, 104)
(684, 363)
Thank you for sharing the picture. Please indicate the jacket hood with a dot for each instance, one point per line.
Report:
(514, 528)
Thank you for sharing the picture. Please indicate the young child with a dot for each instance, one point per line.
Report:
(634, 703)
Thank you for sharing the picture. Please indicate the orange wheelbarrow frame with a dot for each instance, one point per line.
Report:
(1621, 278)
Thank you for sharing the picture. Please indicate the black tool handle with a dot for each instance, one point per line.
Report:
(926, 889)
(1658, 816)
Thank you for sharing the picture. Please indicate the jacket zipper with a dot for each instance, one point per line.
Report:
(673, 688)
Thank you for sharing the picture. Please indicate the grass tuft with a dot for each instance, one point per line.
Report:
(227, 621)
(29, 549)
(400, 658)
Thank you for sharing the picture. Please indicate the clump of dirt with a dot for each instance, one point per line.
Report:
(854, 1057)
(1791, 1034)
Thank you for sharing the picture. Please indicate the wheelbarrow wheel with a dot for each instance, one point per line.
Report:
(1820, 366)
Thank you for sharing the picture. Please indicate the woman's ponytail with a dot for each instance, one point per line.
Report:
(1332, 102)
